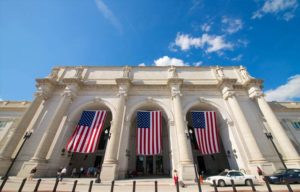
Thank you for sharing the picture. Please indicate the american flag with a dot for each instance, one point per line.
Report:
(149, 133)
(205, 128)
(87, 133)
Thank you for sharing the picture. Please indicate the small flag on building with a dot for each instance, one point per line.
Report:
(149, 133)
(87, 133)
(205, 128)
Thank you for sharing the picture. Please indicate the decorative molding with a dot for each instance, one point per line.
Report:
(45, 88)
(171, 123)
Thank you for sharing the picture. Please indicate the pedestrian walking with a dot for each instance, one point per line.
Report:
(63, 173)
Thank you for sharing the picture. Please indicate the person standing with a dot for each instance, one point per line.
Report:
(175, 177)
(31, 174)
(63, 173)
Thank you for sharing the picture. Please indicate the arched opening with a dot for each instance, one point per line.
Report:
(90, 162)
(149, 165)
(213, 163)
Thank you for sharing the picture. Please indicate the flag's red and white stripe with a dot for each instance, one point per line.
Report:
(85, 138)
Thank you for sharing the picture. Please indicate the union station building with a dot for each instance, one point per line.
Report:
(39, 130)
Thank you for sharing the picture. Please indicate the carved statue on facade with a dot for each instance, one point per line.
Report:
(244, 73)
(53, 74)
(126, 71)
(172, 72)
(219, 72)
(79, 71)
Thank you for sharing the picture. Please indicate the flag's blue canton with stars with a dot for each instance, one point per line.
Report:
(143, 120)
(198, 120)
(87, 118)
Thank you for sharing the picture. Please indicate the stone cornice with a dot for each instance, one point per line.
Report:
(178, 81)
(253, 82)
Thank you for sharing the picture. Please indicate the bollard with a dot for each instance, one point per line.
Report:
(22, 185)
(252, 185)
(199, 184)
(155, 186)
(133, 188)
(112, 186)
(177, 186)
(233, 185)
(3, 183)
(215, 186)
(91, 185)
(74, 186)
(289, 187)
(37, 185)
(268, 185)
(55, 185)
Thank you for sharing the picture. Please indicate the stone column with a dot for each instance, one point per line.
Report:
(110, 163)
(186, 169)
(15, 135)
(250, 144)
(276, 129)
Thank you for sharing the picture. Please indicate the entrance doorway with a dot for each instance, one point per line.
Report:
(149, 165)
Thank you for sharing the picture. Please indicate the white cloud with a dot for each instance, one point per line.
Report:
(231, 25)
(286, 7)
(286, 92)
(108, 14)
(237, 58)
(209, 43)
(166, 61)
(205, 27)
(142, 64)
(197, 64)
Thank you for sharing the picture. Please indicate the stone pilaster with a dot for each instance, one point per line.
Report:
(186, 169)
(44, 88)
(39, 157)
(287, 148)
(110, 163)
(253, 152)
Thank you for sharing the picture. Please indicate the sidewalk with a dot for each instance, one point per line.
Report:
(142, 185)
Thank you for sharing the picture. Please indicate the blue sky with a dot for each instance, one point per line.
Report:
(262, 35)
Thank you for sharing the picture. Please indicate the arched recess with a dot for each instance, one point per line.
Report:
(228, 158)
(77, 160)
(130, 163)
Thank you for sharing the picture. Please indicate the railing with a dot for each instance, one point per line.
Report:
(176, 188)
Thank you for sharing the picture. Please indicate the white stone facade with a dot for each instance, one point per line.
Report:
(243, 116)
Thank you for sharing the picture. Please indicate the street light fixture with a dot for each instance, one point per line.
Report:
(270, 137)
(25, 137)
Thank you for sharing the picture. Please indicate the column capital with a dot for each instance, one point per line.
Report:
(124, 84)
(255, 92)
(226, 86)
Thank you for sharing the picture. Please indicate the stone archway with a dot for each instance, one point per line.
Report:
(227, 158)
(77, 160)
(153, 166)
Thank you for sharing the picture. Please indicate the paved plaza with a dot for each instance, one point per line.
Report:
(142, 185)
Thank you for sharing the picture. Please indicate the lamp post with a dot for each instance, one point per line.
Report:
(106, 137)
(190, 135)
(25, 137)
(270, 137)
